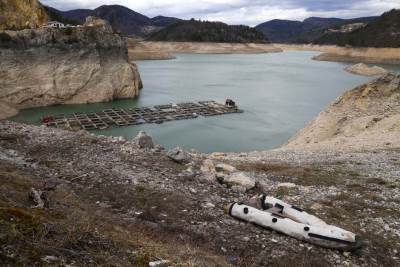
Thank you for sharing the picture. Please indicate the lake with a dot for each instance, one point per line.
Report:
(279, 93)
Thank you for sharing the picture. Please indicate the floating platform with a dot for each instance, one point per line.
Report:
(135, 116)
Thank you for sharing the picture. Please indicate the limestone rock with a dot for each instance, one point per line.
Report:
(239, 189)
(364, 69)
(207, 167)
(144, 141)
(52, 66)
(160, 263)
(364, 118)
(208, 178)
(92, 21)
(178, 155)
(209, 205)
(217, 155)
(240, 179)
(7, 111)
(316, 206)
(50, 259)
(21, 13)
(287, 185)
(36, 196)
(222, 167)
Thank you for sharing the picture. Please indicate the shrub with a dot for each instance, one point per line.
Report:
(68, 31)
(5, 38)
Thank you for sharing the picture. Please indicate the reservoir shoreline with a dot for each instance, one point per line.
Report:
(145, 50)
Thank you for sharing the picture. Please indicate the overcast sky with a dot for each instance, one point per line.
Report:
(250, 12)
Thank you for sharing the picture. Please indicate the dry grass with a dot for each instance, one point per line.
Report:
(78, 233)
(302, 175)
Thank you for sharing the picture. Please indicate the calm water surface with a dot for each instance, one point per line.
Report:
(279, 93)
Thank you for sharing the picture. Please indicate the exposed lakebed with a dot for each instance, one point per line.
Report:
(279, 92)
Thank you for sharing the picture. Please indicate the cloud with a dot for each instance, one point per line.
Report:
(241, 11)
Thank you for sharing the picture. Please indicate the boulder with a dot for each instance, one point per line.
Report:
(160, 263)
(178, 155)
(208, 178)
(316, 206)
(144, 141)
(222, 167)
(287, 185)
(240, 179)
(93, 21)
(239, 189)
(364, 69)
(207, 167)
(217, 155)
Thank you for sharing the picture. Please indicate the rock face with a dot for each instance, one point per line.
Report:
(364, 69)
(7, 111)
(222, 167)
(178, 155)
(365, 118)
(20, 14)
(66, 66)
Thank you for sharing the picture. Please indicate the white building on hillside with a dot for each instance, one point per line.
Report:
(54, 24)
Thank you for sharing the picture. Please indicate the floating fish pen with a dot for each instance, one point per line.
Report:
(135, 116)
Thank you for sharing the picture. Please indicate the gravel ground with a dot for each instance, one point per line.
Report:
(159, 209)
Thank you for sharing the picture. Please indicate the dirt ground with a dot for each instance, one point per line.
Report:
(109, 203)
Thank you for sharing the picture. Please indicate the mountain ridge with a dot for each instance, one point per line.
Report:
(383, 31)
(306, 31)
(123, 20)
(205, 31)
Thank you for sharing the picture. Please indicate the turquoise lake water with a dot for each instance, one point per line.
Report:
(279, 93)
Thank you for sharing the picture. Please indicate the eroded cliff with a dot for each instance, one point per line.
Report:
(65, 66)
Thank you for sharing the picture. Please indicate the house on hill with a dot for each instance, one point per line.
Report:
(54, 24)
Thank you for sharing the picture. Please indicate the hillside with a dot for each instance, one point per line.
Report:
(122, 19)
(204, 31)
(289, 31)
(364, 118)
(383, 31)
(163, 21)
(20, 14)
(78, 15)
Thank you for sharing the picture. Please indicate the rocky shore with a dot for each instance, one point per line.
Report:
(108, 201)
(65, 66)
(140, 50)
(145, 50)
(367, 55)
(111, 201)
(365, 118)
(365, 70)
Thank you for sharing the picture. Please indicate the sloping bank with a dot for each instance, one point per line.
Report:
(64, 66)
(142, 50)
(365, 118)
(349, 54)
